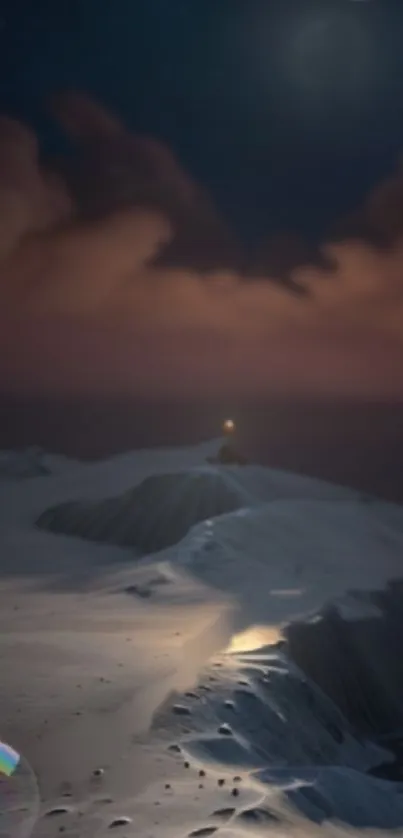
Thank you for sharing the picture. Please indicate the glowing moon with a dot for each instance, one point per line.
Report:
(228, 426)
(329, 52)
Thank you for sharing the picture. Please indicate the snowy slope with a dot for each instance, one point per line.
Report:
(156, 514)
(286, 559)
(93, 642)
(32, 462)
(159, 511)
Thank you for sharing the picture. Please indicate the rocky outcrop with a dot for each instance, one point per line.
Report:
(358, 663)
(152, 516)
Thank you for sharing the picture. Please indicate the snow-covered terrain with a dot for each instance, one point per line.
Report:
(31, 462)
(153, 692)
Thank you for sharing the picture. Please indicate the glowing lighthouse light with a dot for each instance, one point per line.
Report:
(229, 426)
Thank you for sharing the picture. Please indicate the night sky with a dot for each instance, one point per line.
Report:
(220, 83)
(206, 197)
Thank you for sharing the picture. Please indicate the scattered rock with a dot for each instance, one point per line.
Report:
(123, 821)
(221, 781)
(98, 772)
(224, 813)
(187, 764)
(237, 779)
(225, 730)
(58, 810)
(235, 792)
(175, 749)
(258, 815)
(181, 710)
(203, 832)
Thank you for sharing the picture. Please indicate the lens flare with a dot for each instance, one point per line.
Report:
(19, 795)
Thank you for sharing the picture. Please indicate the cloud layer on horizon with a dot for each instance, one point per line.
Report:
(90, 304)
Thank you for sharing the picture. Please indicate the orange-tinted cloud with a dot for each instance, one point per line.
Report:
(380, 219)
(30, 199)
(89, 302)
(116, 169)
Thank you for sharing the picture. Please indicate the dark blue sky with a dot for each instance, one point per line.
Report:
(287, 110)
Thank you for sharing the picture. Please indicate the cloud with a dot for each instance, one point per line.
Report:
(90, 304)
(115, 169)
(30, 199)
(380, 219)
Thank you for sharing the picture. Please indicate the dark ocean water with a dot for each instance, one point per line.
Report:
(356, 444)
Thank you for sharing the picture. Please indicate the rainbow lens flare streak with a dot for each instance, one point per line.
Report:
(9, 759)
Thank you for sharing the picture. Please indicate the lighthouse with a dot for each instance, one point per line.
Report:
(228, 427)
(228, 454)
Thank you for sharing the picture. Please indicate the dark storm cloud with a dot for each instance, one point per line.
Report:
(115, 169)
(88, 302)
(380, 220)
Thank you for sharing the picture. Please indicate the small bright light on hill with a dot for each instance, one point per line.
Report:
(228, 426)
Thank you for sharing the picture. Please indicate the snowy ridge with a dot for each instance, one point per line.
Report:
(160, 510)
(95, 643)
(153, 515)
(285, 560)
(256, 709)
(31, 462)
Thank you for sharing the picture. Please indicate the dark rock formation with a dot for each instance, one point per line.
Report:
(227, 456)
(357, 663)
(153, 515)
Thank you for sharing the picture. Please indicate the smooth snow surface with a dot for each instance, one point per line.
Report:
(31, 462)
(147, 693)
(282, 560)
